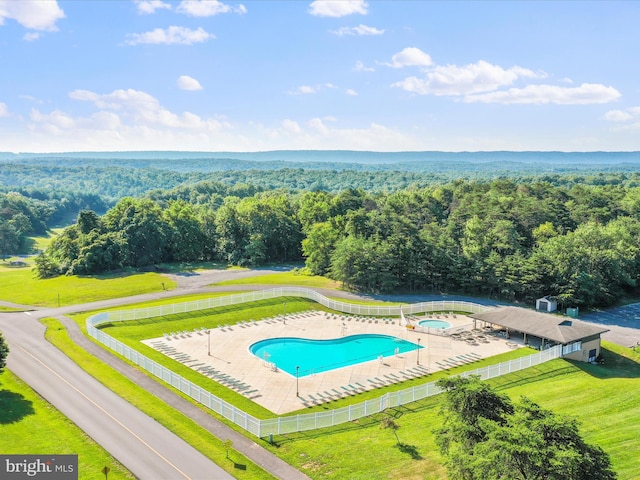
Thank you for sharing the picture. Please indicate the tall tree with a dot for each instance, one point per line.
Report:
(485, 437)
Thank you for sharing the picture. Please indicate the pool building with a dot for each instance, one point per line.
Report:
(580, 340)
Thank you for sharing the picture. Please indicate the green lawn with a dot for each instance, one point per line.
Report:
(30, 425)
(132, 332)
(605, 399)
(19, 285)
(172, 419)
(381, 303)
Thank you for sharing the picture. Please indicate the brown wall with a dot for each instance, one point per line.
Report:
(583, 354)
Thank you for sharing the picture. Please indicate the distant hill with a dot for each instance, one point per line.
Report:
(335, 160)
(343, 156)
(112, 175)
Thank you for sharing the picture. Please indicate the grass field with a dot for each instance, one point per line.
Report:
(604, 398)
(19, 285)
(30, 425)
(610, 393)
(175, 421)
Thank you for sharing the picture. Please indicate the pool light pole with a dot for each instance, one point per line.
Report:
(418, 362)
(297, 388)
(209, 342)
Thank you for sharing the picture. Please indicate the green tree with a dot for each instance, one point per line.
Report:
(318, 247)
(88, 220)
(389, 423)
(143, 229)
(485, 437)
(535, 443)
(45, 267)
(4, 352)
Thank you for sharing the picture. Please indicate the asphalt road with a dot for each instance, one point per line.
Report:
(145, 447)
(141, 444)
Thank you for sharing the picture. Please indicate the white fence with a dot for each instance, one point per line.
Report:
(308, 421)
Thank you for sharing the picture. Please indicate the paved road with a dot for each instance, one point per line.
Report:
(44, 367)
(25, 335)
(140, 443)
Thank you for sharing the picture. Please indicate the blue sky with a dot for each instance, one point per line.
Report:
(206, 75)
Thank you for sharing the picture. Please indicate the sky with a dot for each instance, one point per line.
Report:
(207, 75)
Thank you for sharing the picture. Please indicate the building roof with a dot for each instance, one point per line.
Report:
(543, 325)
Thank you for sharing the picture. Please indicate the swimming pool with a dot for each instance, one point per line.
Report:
(434, 324)
(316, 356)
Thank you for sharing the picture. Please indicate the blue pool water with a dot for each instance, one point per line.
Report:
(434, 324)
(315, 356)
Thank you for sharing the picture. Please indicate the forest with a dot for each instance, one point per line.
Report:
(576, 239)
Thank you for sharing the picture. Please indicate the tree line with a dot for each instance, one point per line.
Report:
(501, 238)
(32, 212)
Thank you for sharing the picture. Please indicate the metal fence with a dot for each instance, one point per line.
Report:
(308, 421)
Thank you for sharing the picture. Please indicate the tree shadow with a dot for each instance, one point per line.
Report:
(14, 407)
(411, 450)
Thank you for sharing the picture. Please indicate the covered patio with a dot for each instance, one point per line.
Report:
(580, 340)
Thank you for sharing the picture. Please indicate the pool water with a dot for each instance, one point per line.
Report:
(434, 324)
(316, 356)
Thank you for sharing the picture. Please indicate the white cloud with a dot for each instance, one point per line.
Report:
(142, 108)
(317, 133)
(587, 93)
(337, 8)
(186, 82)
(127, 119)
(617, 116)
(357, 31)
(410, 57)
(33, 14)
(170, 36)
(303, 90)
(310, 89)
(53, 122)
(207, 8)
(4, 110)
(360, 67)
(566, 80)
(291, 126)
(627, 120)
(351, 92)
(473, 78)
(147, 7)
(318, 126)
(31, 36)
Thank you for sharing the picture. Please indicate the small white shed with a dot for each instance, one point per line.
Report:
(546, 304)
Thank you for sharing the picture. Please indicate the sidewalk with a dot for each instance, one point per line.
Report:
(259, 455)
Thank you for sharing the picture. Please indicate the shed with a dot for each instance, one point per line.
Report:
(546, 304)
(580, 340)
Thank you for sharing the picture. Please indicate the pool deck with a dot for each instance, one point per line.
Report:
(232, 364)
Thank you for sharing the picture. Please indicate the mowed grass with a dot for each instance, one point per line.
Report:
(285, 278)
(605, 399)
(20, 285)
(378, 303)
(132, 332)
(30, 425)
(171, 418)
